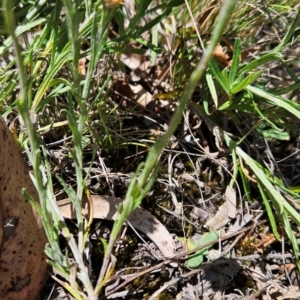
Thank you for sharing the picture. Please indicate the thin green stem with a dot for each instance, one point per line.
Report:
(11, 25)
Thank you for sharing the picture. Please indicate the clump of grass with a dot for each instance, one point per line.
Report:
(48, 83)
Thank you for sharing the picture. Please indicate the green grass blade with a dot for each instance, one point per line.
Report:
(291, 236)
(246, 185)
(215, 71)
(288, 89)
(270, 57)
(20, 30)
(290, 34)
(154, 22)
(238, 86)
(212, 88)
(204, 95)
(277, 199)
(275, 100)
(235, 61)
(61, 60)
(269, 210)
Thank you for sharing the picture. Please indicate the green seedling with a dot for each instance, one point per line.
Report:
(196, 259)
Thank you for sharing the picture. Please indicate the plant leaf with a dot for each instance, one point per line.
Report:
(275, 100)
(235, 61)
(215, 70)
(212, 88)
(238, 86)
(196, 259)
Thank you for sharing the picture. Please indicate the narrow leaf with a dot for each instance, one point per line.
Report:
(235, 60)
(212, 88)
(261, 61)
(276, 100)
(269, 211)
(237, 87)
(215, 70)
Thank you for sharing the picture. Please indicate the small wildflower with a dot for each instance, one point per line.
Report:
(113, 3)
